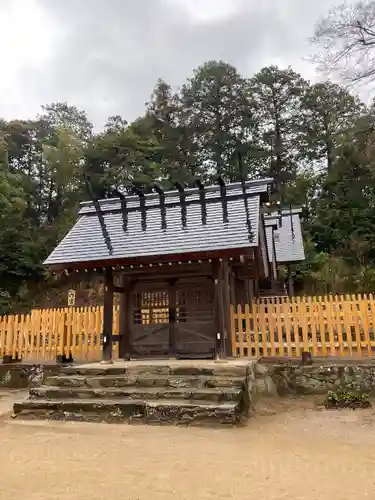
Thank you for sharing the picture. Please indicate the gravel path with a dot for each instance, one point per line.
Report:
(295, 453)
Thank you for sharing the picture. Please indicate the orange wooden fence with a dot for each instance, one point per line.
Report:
(324, 326)
(272, 326)
(43, 334)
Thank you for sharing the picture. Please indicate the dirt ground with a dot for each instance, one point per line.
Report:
(291, 450)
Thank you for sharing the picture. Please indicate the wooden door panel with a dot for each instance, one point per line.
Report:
(195, 332)
(150, 323)
(150, 339)
(192, 321)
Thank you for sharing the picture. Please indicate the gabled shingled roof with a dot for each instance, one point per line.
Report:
(287, 248)
(145, 236)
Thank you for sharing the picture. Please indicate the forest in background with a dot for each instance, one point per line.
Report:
(317, 142)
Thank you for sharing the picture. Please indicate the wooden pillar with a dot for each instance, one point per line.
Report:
(290, 282)
(172, 350)
(226, 308)
(125, 317)
(247, 291)
(108, 315)
(256, 291)
(218, 310)
(232, 288)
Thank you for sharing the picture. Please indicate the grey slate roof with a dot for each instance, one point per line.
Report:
(85, 241)
(286, 249)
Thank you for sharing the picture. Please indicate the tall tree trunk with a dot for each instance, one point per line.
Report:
(329, 146)
(218, 131)
(278, 165)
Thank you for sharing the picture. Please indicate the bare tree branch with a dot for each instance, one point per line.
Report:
(346, 38)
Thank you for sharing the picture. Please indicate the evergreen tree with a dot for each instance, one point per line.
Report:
(278, 96)
(218, 113)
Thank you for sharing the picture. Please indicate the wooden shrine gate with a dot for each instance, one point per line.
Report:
(177, 319)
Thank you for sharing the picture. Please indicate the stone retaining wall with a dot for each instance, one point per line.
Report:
(25, 375)
(294, 378)
(263, 378)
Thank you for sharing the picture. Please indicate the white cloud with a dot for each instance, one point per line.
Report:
(206, 11)
(106, 55)
(26, 41)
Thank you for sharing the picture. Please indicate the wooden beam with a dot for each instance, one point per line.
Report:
(232, 284)
(155, 259)
(99, 213)
(125, 318)
(256, 290)
(226, 308)
(290, 282)
(159, 190)
(124, 209)
(108, 315)
(202, 200)
(166, 277)
(248, 291)
(224, 201)
(172, 318)
(217, 309)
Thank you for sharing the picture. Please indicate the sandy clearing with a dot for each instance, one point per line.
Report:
(295, 453)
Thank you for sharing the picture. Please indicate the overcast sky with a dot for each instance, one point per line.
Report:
(106, 55)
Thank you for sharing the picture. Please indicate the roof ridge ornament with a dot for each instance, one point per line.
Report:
(163, 211)
(292, 223)
(202, 199)
(99, 213)
(142, 204)
(124, 209)
(246, 202)
(224, 201)
(181, 190)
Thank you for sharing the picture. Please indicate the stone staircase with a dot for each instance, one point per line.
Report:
(177, 392)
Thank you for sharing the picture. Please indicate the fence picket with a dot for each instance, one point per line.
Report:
(15, 336)
(372, 322)
(31, 343)
(355, 307)
(364, 315)
(271, 326)
(287, 326)
(233, 318)
(276, 326)
(312, 325)
(96, 326)
(86, 332)
(255, 330)
(2, 334)
(250, 344)
(240, 330)
(280, 326)
(60, 336)
(21, 334)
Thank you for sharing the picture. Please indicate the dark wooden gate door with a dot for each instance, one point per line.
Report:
(181, 325)
(195, 326)
(150, 322)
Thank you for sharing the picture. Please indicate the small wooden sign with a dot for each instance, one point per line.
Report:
(71, 297)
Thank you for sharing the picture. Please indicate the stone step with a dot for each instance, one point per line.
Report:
(212, 394)
(153, 369)
(130, 411)
(144, 381)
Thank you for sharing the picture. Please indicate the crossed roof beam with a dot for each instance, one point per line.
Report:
(183, 202)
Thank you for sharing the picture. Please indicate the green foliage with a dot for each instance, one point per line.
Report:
(346, 399)
(218, 114)
(278, 95)
(316, 141)
(330, 113)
